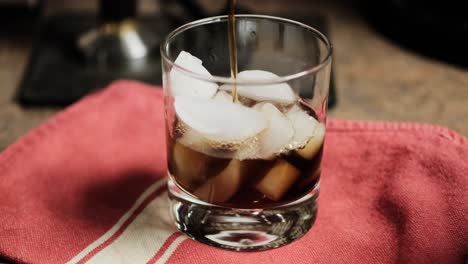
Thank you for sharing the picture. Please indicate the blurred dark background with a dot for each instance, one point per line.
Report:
(110, 41)
(438, 29)
(400, 60)
(89, 49)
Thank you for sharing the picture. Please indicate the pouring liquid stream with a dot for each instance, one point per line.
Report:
(233, 47)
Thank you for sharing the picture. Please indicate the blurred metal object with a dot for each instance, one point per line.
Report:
(116, 41)
(119, 37)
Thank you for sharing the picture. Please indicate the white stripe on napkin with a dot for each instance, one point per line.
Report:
(154, 187)
(143, 237)
(171, 250)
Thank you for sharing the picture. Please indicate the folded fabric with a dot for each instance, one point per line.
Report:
(88, 186)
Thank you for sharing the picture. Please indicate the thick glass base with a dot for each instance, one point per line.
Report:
(242, 229)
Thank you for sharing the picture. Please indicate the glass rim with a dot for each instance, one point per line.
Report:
(220, 79)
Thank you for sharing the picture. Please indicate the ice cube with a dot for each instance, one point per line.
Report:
(220, 129)
(182, 84)
(278, 180)
(303, 124)
(277, 136)
(222, 96)
(188, 166)
(223, 186)
(280, 93)
(314, 144)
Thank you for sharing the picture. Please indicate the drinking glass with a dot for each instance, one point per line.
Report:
(244, 171)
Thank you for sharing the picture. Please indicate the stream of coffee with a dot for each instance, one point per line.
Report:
(232, 46)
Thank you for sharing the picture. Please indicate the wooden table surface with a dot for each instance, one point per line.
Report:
(375, 78)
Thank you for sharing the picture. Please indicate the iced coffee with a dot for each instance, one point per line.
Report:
(262, 150)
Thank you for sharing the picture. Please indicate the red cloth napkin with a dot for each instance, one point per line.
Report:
(87, 186)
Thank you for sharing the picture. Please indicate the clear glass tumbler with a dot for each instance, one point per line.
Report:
(244, 171)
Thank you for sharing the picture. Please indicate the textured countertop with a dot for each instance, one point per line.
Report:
(375, 78)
